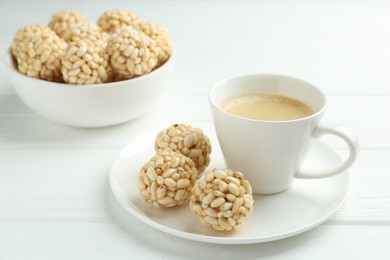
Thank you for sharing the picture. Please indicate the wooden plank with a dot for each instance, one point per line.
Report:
(72, 185)
(335, 74)
(135, 241)
(368, 200)
(19, 127)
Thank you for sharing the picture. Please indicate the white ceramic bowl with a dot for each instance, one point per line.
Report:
(92, 105)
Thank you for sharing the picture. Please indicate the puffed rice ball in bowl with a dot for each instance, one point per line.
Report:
(98, 104)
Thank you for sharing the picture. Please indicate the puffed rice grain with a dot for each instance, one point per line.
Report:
(222, 207)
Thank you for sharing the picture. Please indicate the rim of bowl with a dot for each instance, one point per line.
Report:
(11, 64)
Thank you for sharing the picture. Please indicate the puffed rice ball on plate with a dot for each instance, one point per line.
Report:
(38, 52)
(166, 180)
(131, 52)
(63, 20)
(222, 199)
(160, 35)
(112, 20)
(187, 140)
(85, 63)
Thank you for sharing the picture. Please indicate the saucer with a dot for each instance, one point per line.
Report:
(306, 204)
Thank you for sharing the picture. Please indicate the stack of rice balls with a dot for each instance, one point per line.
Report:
(74, 50)
(176, 174)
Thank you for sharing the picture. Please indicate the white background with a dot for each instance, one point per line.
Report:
(55, 202)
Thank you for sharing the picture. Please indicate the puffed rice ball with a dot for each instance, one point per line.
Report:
(112, 20)
(86, 32)
(38, 52)
(85, 63)
(63, 20)
(131, 52)
(161, 37)
(166, 180)
(222, 199)
(187, 140)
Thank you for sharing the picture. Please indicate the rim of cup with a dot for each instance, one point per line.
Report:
(218, 84)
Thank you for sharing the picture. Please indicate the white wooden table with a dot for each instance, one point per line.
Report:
(55, 200)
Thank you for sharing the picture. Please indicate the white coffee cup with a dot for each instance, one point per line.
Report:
(270, 153)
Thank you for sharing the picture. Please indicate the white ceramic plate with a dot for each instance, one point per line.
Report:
(305, 205)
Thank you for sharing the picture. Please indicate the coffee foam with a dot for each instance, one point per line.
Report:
(266, 106)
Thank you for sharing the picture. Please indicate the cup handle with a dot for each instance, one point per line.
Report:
(353, 145)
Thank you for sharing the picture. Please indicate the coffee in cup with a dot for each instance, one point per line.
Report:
(270, 149)
(266, 106)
